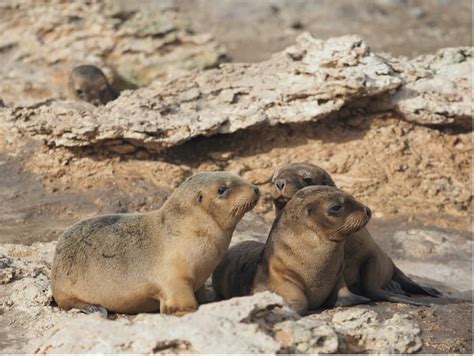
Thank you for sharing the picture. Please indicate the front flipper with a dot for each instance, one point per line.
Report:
(201, 295)
(179, 298)
(411, 286)
(341, 296)
(95, 308)
(293, 295)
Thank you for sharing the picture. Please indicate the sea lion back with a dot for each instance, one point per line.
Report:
(234, 275)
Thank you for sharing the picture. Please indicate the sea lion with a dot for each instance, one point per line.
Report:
(156, 261)
(368, 270)
(303, 257)
(292, 177)
(89, 83)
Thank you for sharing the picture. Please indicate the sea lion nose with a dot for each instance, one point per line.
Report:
(368, 212)
(280, 183)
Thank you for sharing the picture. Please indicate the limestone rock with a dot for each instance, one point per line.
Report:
(362, 332)
(420, 243)
(6, 271)
(309, 81)
(214, 328)
(438, 88)
(307, 335)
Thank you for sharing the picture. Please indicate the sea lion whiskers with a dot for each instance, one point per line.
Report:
(352, 224)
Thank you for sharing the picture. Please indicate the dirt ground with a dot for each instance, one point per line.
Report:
(411, 176)
(397, 168)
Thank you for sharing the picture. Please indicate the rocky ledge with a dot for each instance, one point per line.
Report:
(309, 81)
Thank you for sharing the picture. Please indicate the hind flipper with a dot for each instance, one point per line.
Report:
(411, 286)
(385, 296)
(95, 308)
(372, 288)
(395, 287)
(350, 299)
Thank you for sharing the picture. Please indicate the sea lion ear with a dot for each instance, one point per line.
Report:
(274, 176)
(308, 209)
(328, 181)
(199, 197)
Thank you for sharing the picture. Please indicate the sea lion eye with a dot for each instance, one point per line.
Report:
(307, 180)
(335, 208)
(222, 190)
(79, 91)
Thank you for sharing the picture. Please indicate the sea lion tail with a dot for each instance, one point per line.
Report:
(411, 286)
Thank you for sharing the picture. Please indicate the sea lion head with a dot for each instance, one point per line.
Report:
(292, 177)
(224, 196)
(330, 212)
(89, 83)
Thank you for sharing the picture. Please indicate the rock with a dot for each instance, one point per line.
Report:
(307, 335)
(6, 275)
(309, 81)
(43, 41)
(437, 88)
(361, 332)
(214, 328)
(6, 271)
(421, 243)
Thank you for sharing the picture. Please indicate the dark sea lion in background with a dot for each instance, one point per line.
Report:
(303, 257)
(156, 261)
(89, 83)
(368, 270)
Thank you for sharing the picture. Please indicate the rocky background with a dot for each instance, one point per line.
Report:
(378, 92)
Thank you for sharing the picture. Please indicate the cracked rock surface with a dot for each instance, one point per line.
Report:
(306, 82)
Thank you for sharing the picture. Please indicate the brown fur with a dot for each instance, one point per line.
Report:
(89, 83)
(368, 269)
(157, 261)
(302, 259)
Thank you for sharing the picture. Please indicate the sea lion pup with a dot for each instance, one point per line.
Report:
(368, 270)
(89, 83)
(292, 177)
(303, 257)
(156, 261)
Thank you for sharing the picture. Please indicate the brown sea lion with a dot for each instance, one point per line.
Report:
(89, 83)
(156, 261)
(368, 270)
(303, 257)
